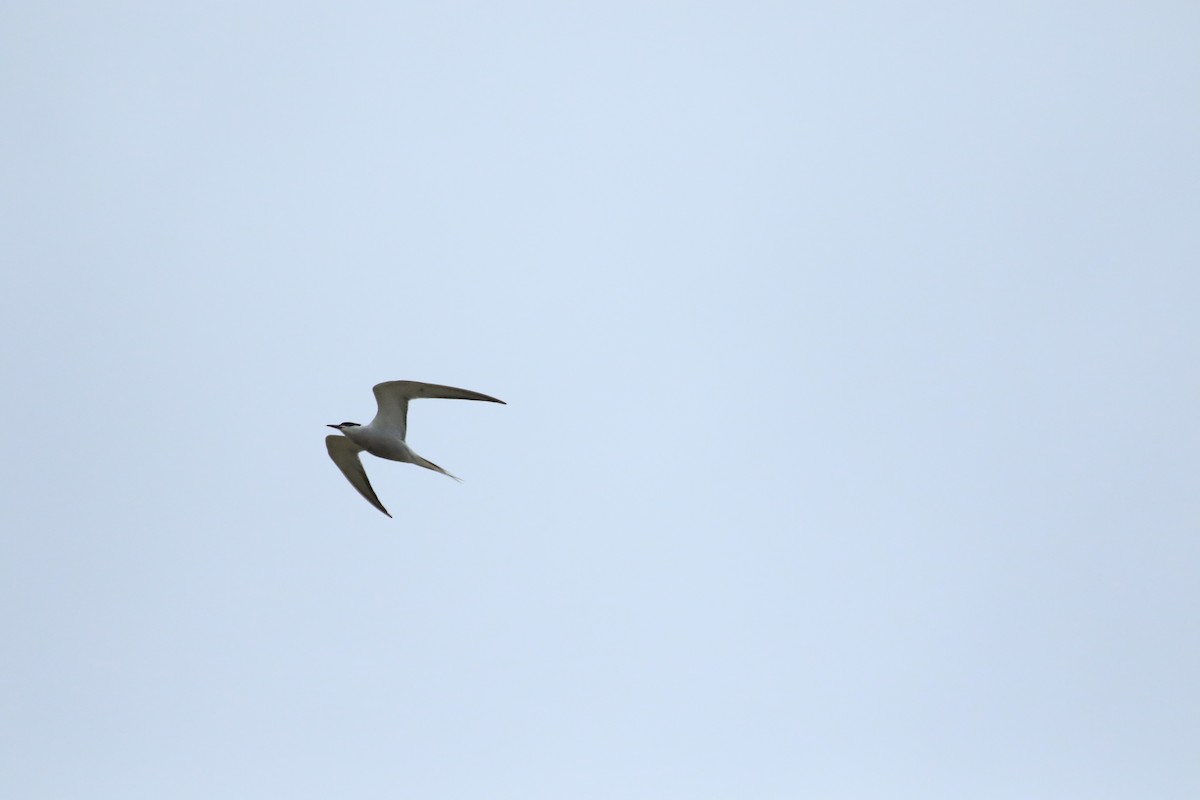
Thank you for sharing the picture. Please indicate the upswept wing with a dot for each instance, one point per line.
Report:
(392, 398)
(345, 454)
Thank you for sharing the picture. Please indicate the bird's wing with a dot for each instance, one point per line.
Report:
(393, 396)
(345, 454)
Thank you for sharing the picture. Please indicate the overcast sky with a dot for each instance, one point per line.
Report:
(851, 358)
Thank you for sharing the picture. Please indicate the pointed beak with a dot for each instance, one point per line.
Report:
(335, 427)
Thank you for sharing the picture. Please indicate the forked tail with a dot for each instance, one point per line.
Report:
(427, 464)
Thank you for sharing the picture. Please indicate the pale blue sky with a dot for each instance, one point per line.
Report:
(850, 351)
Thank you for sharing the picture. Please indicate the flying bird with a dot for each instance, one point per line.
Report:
(384, 435)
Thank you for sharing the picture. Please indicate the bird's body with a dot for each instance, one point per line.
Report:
(384, 436)
(383, 444)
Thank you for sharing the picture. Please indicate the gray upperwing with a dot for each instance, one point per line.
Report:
(392, 398)
(345, 454)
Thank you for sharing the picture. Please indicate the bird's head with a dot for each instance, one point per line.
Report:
(341, 426)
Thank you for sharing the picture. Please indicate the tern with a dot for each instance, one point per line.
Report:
(384, 435)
